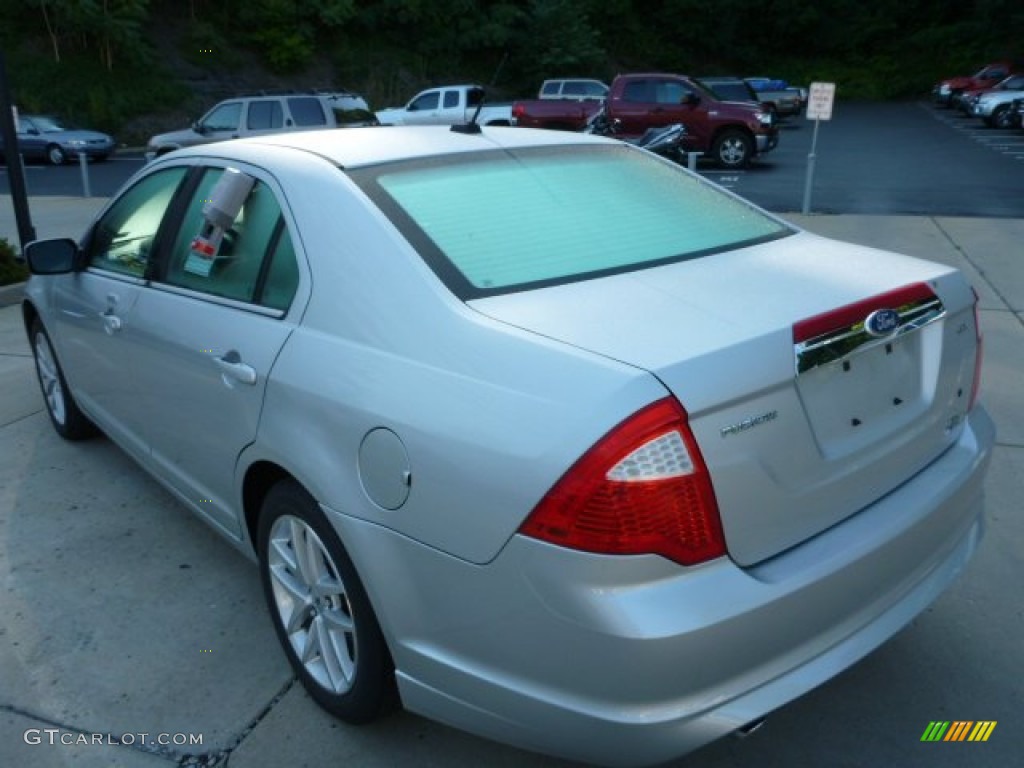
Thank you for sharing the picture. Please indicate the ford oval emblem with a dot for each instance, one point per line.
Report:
(882, 322)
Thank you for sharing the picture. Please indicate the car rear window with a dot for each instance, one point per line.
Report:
(498, 222)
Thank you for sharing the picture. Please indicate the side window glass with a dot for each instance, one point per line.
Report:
(346, 115)
(122, 239)
(451, 99)
(637, 92)
(265, 115)
(224, 118)
(426, 101)
(218, 261)
(550, 89)
(282, 277)
(670, 93)
(306, 111)
(573, 88)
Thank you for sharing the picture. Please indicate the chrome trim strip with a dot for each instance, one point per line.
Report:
(840, 344)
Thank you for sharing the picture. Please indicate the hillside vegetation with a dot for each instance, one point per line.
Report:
(134, 66)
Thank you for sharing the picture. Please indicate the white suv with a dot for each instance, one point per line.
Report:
(267, 113)
(579, 89)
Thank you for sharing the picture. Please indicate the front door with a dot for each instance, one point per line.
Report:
(96, 309)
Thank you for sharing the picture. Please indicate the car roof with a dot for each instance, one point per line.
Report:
(356, 147)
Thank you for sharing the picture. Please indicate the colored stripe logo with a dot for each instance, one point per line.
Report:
(959, 730)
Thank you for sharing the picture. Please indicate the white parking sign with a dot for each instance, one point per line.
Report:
(819, 101)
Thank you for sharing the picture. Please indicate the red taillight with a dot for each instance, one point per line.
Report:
(518, 110)
(978, 354)
(642, 489)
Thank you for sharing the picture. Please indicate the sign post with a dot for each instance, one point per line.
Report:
(15, 171)
(819, 107)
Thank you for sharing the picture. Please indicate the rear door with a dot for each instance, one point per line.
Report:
(655, 102)
(209, 332)
(264, 116)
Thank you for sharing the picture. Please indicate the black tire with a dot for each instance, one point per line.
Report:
(1004, 117)
(67, 419)
(733, 149)
(354, 680)
(55, 155)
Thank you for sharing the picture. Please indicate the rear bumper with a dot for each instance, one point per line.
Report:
(634, 660)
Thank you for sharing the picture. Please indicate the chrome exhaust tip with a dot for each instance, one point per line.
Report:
(749, 728)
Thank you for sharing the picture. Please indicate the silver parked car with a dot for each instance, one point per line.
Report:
(42, 137)
(535, 433)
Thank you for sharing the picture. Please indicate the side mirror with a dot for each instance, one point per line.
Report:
(51, 257)
(199, 128)
(691, 99)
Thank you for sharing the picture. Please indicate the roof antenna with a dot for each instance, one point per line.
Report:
(472, 126)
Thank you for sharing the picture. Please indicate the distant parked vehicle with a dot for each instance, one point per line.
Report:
(267, 113)
(995, 106)
(777, 95)
(730, 89)
(577, 88)
(730, 133)
(448, 105)
(946, 91)
(42, 137)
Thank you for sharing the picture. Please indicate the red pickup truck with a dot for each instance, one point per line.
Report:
(946, 92)
(731, 133)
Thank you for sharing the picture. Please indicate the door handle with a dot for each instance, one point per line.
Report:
(232, 367)
(111, 322)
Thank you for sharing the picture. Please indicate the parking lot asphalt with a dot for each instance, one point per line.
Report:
(123, 618)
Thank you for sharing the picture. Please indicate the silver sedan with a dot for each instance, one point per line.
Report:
(533, 433)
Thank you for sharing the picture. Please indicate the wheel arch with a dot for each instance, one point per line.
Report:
(259, 478)
(730, 127)
(29, 314)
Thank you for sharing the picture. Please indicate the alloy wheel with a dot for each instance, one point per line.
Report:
(49, 378)
(313, 604)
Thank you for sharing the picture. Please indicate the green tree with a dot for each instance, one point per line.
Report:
(110, 28)
(285, 31)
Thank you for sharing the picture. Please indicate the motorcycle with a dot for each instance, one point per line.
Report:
(666, 141)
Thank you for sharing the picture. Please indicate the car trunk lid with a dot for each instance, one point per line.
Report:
(803, 414)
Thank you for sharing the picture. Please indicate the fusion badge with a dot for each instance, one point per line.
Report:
(753, 421)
